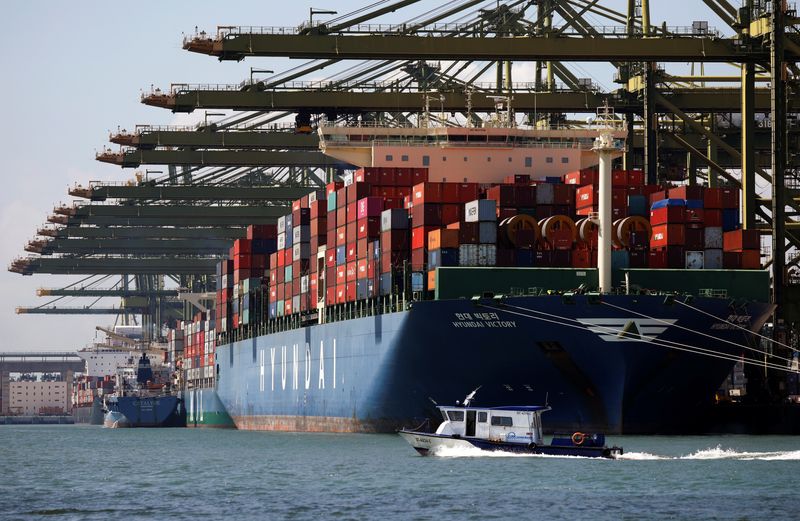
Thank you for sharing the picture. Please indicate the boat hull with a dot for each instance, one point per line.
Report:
(205, 410)
(150, 411)
(381, 373)
(428, 444)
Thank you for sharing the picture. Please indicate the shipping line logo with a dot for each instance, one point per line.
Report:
(627, 329)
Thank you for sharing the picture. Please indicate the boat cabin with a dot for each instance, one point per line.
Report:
(509, 424)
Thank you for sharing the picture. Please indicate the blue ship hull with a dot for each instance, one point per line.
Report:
(205, 410)
(155, 411)
(383, 372)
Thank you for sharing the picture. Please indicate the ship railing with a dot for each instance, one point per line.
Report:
(578, 143)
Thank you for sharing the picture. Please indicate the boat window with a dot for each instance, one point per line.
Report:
(548, 160)
(565, 160)
(502, 421)
(404, 158)
(489, 159)
(465, 158)
(389, 157)
(444, 158)
(456, 416)
(482, 417)
(509, 159)
(426, 160)
(528, 162)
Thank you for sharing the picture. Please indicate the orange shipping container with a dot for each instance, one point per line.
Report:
(442, 238)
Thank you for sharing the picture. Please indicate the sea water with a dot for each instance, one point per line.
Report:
(83, 472)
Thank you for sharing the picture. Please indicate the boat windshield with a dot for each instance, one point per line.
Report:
(456, 416)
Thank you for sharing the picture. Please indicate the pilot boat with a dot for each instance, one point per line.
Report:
(514, 428)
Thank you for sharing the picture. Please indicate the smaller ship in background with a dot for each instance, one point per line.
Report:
(144, 397)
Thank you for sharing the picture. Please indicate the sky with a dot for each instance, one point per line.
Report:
(74, 71)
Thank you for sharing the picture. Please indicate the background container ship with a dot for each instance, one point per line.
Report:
(371, 301)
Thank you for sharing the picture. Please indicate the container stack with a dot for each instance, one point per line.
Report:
(689, 224)
(395, 247)
(199, 345)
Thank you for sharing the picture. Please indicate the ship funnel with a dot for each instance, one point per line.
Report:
(606, 146)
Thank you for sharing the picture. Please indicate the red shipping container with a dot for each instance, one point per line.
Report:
(741, 239)
(419, 236)
(368, 174)
(341, 215)
(505, 213)
(371, 264)
(581, 177)
(319, 227)
(330, 238)
(395, 240)
(585, 197)
(391, 259)
(668, 235)
(390, 203)
(369, 207)
(341, 293)
(341, 235)
(419, 258)
(388, 176)
(563, 194)
(287, 306)
(280, 291)
(426, 215)
(452, 213)
(730, 197)
(357, 191)
(361, 269)
(419, 175)
(426, 193)
(330, 295)
(686, 192)
(524, 196)
(619, 178)
(351, 252)
(369, 228)
(262, 231)
(362, 248)
(351, 214)
(712, 217)
(332, 187)
(468, 233)
(751, 259)
(383, 192)
(657, 195)
(330, 276)
(694, 238)
(468, 192)
(318, 207)
(694, 215)
(504, 195)
(403, 177)
(287, 257)
(449, 192)
(351, 272)
(341, 274)
(351, 291)
(352, 231)
(668, 215)
(635, 177)
(712, 198)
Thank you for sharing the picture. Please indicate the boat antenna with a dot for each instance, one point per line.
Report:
(433, 401)
(546, 397)
(471, 396)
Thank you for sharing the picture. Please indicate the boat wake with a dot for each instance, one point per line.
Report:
(475, 452)
(718, 453)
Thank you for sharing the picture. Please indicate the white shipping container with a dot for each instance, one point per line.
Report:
(481, 210)
(468, 255)
(301, 251)
(281, 228)
(281, 241)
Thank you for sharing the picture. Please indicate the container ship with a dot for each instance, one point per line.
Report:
(445, 264)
